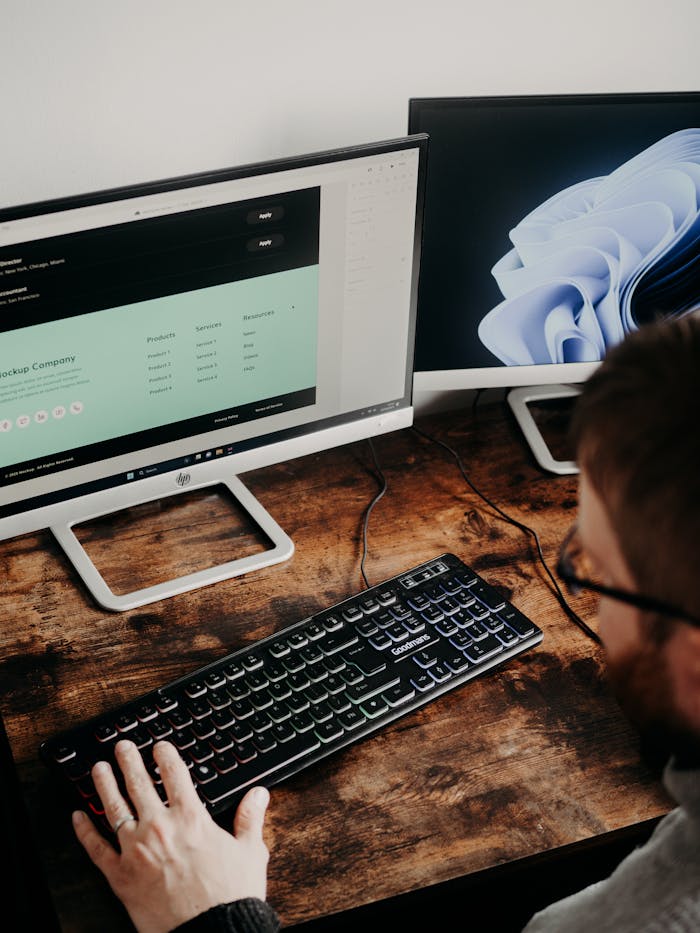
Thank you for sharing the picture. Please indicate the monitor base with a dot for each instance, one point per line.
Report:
(519, 399)
(282, 549)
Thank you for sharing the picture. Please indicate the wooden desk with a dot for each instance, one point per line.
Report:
(533, 757)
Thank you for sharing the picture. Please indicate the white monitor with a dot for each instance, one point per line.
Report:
(174, 334)
(554, 225)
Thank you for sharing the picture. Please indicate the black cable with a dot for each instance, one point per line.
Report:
(372, 504)
(574, 616)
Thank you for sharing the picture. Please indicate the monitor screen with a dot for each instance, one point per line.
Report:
(177, 331)
(554, 225)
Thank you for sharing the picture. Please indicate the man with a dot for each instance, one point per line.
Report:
(636, 431)
(637, 436)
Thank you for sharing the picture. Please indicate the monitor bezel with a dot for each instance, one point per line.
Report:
(66, 498)
(504, 376)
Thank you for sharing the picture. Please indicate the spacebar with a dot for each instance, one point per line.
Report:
(224, 785)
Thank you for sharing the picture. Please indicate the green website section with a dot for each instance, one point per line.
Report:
(103, 375)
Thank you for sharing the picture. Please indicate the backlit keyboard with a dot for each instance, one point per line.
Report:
(274, 707)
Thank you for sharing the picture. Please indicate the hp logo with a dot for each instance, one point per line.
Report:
(183, 479)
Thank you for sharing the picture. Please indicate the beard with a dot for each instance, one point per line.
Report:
(642, 683)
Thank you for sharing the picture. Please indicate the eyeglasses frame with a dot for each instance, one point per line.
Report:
(646, 603)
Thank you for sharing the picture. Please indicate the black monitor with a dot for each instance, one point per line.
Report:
(554, 225)
(173, 334)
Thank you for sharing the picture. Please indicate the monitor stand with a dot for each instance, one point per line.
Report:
(519, 399)
(282, 548)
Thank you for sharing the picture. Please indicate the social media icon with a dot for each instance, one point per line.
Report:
(59, 411)
(41, 417)
(22, 421)
(5, 424)
(76, 408)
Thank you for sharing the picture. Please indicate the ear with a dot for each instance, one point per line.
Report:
(684, 660)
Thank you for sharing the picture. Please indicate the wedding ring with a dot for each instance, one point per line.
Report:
(120, 822)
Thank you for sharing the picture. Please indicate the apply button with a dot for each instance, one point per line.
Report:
(265, 215)
(262, 243)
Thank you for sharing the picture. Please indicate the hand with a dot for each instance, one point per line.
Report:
(175, 861)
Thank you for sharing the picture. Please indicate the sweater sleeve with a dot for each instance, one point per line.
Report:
(248, 915)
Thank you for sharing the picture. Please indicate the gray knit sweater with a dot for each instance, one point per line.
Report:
(656, 889)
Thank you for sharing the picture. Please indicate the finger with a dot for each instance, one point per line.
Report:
(139, 785)
(111, 796)
(99, 850)
(177, 779)
(250, 815)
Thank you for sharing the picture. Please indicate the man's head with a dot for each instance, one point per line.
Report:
(636, 430)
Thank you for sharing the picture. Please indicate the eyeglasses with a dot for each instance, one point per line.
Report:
(574, 568)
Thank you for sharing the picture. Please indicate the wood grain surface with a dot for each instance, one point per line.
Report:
(532, 757)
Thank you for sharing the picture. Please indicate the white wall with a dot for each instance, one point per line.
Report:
(95, 94)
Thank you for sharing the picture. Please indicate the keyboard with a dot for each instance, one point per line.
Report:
(266, 711)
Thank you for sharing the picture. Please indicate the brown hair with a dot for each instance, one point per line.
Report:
(636, 431)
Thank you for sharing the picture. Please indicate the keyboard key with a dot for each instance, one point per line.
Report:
(339, 703)
(385, 597)
(476, 631)
(126, 722)
(381, 640)
(321, 712)
(374, 707)
(352, 613)
(422, 681)
(204, 729)
(328, 731)
(165, 702)
(351, 719)
(280, 650)
(457, 663)
(488, 596)
(486, 648)
(215, 680)
(232, 671)
(520, 624)
(370, 686)
(242, 731)
(283, 731)
(226, 762)
(440, 673)
(264, 742)
(195, 689)
(338, 640)
(220, 742)
(105, 733)
(424, 658)
(366, 628)
(366, 659)
(507, 636)
(222, 719)
(244, 752)
(302, 722)
(399, 694)
(146, 712)
(397, 632)
(418, 601)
